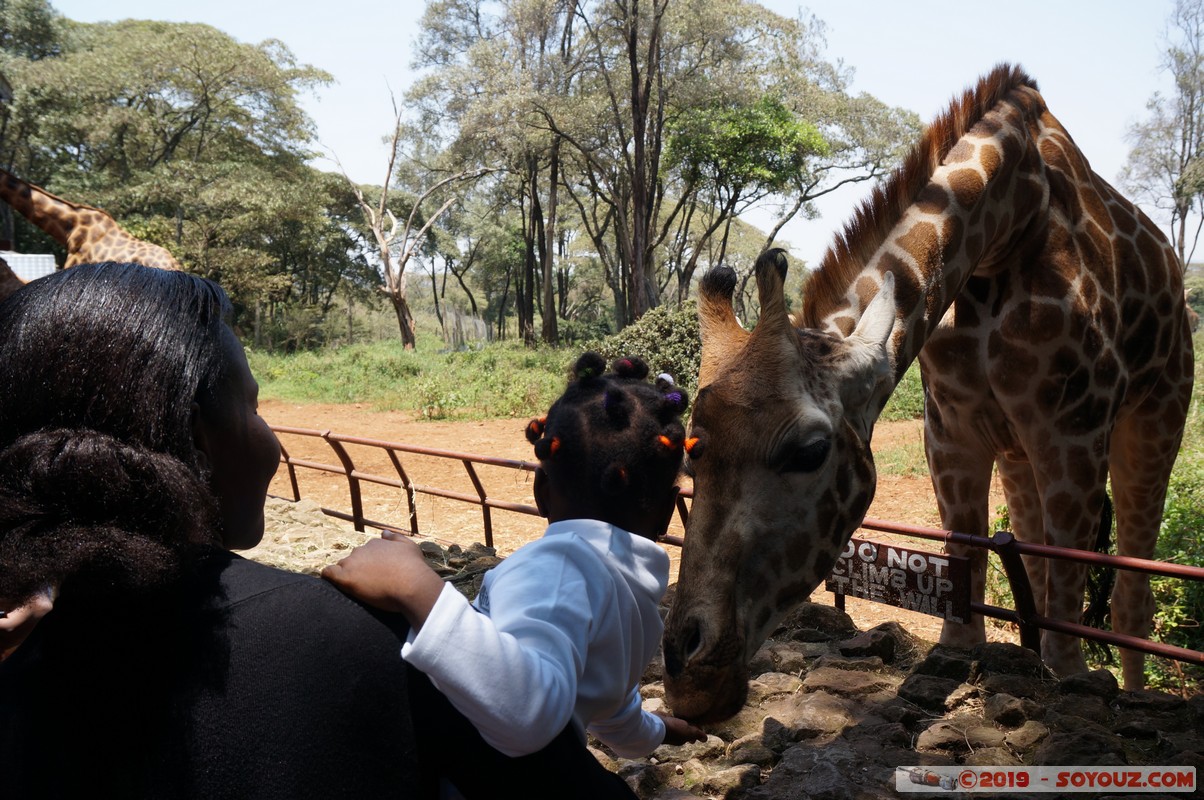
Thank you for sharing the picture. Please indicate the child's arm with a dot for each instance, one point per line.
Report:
(390, 574)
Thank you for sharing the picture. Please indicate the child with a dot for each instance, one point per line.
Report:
(561, 630)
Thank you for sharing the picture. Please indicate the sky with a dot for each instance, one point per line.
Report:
(1097, 62)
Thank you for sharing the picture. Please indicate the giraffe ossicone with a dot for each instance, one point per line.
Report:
(1048, 317)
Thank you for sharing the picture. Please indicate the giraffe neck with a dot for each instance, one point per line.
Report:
(54, 215)
(949, 211)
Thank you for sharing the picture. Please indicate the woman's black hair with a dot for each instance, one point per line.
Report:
(614, 436)
(101, 486)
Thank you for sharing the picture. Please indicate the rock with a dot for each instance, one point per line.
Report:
(750, 749)
(791, 657)
(990, 757)
(959, 736)
(1100, 683)
(725, 782)
(946, 662)
(927, 691)
(1026, 737)
(810, 716)
(847, 683)
(1015, 685)
(876, 643)
(772, 684)
(1009, 711)
(712, 748)
(961, 696)
(1086, 706)
(1085, 748)
(992, 658)
(810, 773)
(825, 620)
(1147, 701)
(854, 664)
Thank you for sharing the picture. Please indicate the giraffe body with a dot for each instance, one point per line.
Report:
(89, 234)
(1047, 313)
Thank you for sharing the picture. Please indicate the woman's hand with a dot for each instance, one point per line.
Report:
(678, 731)
(17, 623)
(391, 574)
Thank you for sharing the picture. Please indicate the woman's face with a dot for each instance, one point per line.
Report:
(242, 450)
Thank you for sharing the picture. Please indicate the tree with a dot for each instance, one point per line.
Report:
(408, 237)
(1165, 166)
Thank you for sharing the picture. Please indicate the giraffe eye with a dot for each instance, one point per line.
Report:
(807, 458)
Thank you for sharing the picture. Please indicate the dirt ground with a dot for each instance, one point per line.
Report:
(902, 498)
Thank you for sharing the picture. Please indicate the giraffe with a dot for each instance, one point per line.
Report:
(1047, 315)
(88, 234)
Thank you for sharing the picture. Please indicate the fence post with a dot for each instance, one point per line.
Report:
(1004, 543)
(353, 483)
(409, 488)
(485, 515)
(292, 471)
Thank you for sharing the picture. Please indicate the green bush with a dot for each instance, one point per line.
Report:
(907, 401)
(667, 338)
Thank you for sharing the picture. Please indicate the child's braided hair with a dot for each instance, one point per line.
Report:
(613, 434)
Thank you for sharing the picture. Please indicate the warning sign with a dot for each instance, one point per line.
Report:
(930, 583)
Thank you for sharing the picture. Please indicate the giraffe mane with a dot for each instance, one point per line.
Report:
(873, 220)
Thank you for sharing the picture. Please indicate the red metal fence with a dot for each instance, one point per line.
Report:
(1003, 544)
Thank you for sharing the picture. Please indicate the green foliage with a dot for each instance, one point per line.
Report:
(907, 401)
(667, 338)
(1179, 604)
(760, 145)
(499, 380)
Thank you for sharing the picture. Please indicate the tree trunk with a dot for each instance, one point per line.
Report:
(550, 333)
(405, 320)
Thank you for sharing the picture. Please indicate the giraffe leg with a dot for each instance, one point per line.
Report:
(1144, 446)
(961, 477)
(1072, 487)
(1026, 519)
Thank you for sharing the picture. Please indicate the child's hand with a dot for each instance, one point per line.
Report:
(390, 574)
(678, 731)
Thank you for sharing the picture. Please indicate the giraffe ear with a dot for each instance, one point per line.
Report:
(868, 383)
(878, 319)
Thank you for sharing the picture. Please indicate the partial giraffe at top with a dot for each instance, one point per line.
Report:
(89, 234)
(1048, 316)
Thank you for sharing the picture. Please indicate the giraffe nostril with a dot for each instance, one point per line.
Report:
(681, 645)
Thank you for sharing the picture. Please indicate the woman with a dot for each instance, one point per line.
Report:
(131, 461)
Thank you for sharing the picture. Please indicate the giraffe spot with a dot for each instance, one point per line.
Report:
(978, 289)
(920, 243)
(974, 245)
(989, 158)
(1123, 218)
(1086, 416)
(951, 233)
(846, 326)
(866, 288)
(962, 151)
(907, 287)
(933, 199)
(1093, 343)
(967, 186)
(1030, 321)
(966, 314)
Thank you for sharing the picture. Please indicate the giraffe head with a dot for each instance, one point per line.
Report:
(782, 479)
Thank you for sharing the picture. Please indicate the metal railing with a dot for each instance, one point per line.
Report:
(1007, 547)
